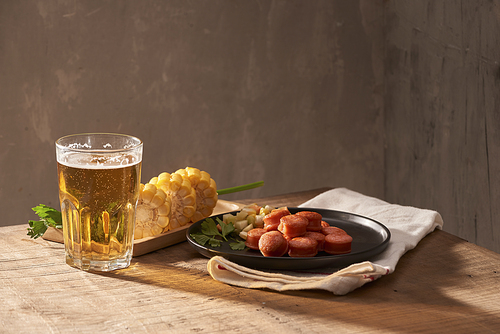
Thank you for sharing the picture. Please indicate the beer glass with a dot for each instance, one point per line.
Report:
(99, 176)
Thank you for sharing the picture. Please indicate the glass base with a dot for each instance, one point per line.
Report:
(93, 265)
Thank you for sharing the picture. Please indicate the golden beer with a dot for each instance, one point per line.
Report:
(98, 193)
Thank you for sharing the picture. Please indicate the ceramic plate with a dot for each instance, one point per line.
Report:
(369, 239)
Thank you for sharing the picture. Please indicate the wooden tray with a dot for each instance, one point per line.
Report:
(147, 245)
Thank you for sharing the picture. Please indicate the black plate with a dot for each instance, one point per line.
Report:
(369, 238)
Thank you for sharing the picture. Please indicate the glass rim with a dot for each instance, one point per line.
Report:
(99, 150)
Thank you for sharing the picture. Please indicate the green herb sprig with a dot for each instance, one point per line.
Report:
(210, 234)
(49, 217)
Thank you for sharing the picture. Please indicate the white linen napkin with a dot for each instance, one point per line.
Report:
(408, 225)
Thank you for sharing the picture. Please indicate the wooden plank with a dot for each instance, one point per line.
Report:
(290, 199)
(444, 285)
(170, 289)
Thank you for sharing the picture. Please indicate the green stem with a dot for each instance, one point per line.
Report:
(240, 188)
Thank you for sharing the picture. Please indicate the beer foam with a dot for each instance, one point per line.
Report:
(87, 146)
(79, 146)
(99, 161)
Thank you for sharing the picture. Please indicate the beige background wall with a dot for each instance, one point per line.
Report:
(395, 99)
(280, 91)
(442, 112)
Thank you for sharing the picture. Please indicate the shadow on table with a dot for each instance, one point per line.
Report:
(426, 288)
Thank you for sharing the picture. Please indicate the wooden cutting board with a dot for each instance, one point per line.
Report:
(150, 244)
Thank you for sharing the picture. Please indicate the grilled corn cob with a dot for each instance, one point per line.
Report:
(153, 212)
(205, 189)
(182, 197)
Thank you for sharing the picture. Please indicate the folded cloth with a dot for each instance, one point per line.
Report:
(408, 225)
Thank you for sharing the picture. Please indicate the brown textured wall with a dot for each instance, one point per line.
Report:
(396, 99)
(442, 112)
(288, 92)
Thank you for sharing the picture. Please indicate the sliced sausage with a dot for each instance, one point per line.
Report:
(314, 220)
(302, 247)
(319, 237)
(293, 225)
(273, 244)
(338, 243)
(272, 220)
(253, 237)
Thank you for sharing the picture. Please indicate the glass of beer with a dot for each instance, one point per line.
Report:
(99, 176)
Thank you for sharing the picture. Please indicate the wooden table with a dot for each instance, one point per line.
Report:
(444, 285)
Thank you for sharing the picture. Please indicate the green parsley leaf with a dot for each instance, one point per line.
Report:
(209, 227)
(37, 228)
(48, 214)
(200, 238)
(49, 217)
(227, 229)
(210, 234)
(214, 242)
(237, 245)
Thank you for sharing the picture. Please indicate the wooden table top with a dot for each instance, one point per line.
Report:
(444, 285)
